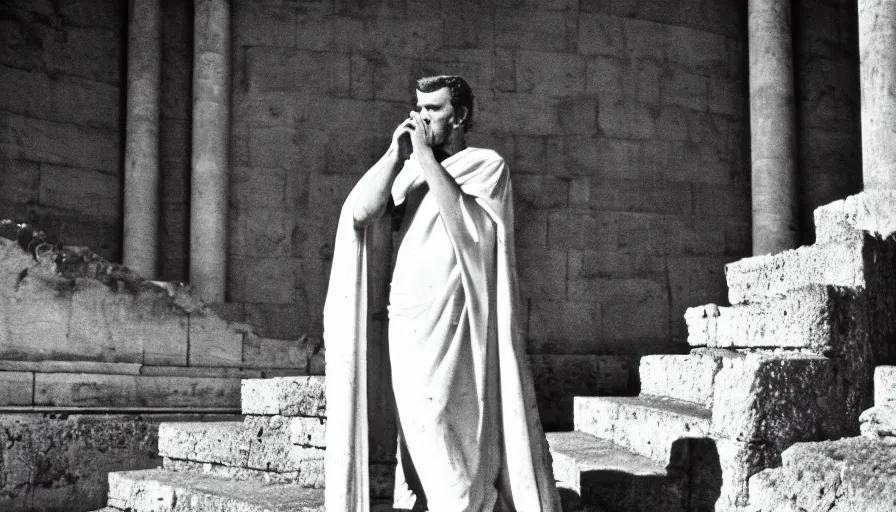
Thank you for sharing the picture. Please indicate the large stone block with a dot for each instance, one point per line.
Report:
(158, 489)
(780, 399)
(214, 342)
(560, 378)
(812, 317)
(211, 442)
(849, 474)
(98, 390)
(286, 396)
(684, 377)
(654, 427)
(563, 327)
(759, 277)
(16, 388)
(843, 220)
(59, 143)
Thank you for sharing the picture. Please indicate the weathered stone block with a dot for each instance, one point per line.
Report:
(98, 390)
(849, 474)
(16, 388)
(270, 447)
(684, 377)
(758, 277)
(308, 432)
(720, 468)
(650, 426)
(59, 143)
(884, 385)
(188, 392)
(812, 317)
(560, 378)
(211, 442)
(213, 342)
(158, 489)
(871, 210)
(286, 396)
(780, 399)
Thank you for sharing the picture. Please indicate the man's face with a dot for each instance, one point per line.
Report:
(436, 110)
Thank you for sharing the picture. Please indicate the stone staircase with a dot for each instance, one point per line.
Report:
(791, 360)
(271, 459)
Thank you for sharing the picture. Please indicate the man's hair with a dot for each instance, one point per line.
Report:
(458, 88)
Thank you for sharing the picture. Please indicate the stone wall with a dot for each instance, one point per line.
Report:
(623, 124)
(61, 130)
(827, 92)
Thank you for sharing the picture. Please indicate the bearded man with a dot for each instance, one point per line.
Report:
(469, 434)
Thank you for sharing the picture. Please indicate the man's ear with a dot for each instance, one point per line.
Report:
(461, 116)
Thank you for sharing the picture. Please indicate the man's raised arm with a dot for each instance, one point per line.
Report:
(372, 200)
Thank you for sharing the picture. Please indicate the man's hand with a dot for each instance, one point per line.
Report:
(401, 140)
(420, 132)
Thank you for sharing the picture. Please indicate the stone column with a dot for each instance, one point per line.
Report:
(877, 50)
(141, 153)
(210, 162)
(772, 127)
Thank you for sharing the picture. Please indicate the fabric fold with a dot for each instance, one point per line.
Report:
(483, 291)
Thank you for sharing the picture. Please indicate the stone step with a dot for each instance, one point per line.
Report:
(840, 476)
(854, 264)
(655, 427)
(258, 443)
(688, 377)
(885, 385)
(871, 210)
(811, 317)
(158, 490)
(593, 472)
(285, 396)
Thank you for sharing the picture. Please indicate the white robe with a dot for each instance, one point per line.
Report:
(462, 384)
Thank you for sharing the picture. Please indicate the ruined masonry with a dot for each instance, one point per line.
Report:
(792, 360)
(94, 358)
(856, 473)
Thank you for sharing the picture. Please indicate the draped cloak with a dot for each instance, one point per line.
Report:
(463, 388)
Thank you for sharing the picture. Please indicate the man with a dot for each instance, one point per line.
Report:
(469, 436)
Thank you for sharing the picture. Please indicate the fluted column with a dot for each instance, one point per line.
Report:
(772, 127)
(877, 50)
(141, 154)
(210, 162)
